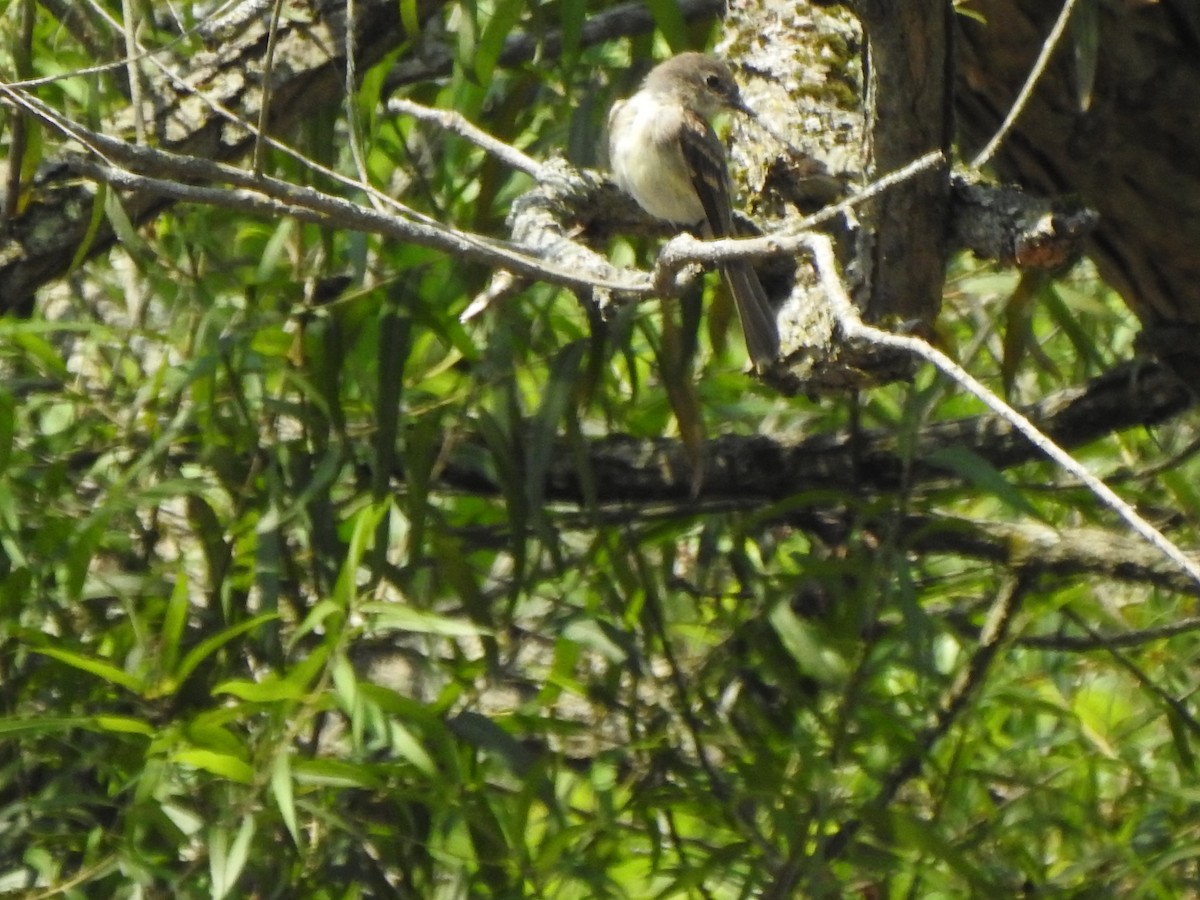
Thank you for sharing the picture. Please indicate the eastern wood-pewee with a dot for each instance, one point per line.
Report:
(665, 154)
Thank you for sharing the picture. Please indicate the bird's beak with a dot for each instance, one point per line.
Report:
(741, 107)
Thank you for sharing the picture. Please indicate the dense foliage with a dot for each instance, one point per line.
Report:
(255, 641)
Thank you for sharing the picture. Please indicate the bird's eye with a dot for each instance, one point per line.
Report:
(714, 82)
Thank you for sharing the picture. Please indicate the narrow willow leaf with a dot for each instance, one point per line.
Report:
(239, 851)
(564, 370)
(669, 20)
(122, 725)
(212, 644)
(270, 690)
(983, 475)
(98, 667)
(281, 790)
(505, 16)
(366, 521)
(803, 644)
(174, 622)
(39, 724)
(221, 764)
(398, 617)
(406, 744)
(334, 773)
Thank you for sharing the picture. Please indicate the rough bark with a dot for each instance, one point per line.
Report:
(844, 124)
(909, 105)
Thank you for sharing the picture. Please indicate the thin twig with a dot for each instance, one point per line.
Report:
(1035, 75)
(684, 250)
(352, 119)
(853, 327)
(264, 95)
(129, 29)
(456, 123)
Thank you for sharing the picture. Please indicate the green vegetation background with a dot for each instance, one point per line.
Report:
(252, 644)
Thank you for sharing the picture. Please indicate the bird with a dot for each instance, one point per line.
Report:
(664, 153)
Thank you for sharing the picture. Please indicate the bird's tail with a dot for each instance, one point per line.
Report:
(754, 309)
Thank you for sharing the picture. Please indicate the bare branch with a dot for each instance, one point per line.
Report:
(853, 328)
(1006, 224)
(686, 250)
(748, 471)
(264, 196)
(456, 123)
(1095, 640)
(1063, 552)
(309, 205)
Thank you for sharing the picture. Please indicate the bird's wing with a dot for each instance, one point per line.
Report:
(710, 173)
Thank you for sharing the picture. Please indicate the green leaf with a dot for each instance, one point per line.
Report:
(221, 764)
(37, 348)
(274, 250)
(803, 644)
(409, 18)
(98, 667)
(1085, 31)
(346, 682)
(226, 860)
(395, 344)
(7, 428)
(596, 636)
(926, 837)
(564, 370)
(670, 22)
(316, 618)
(466, 29)
(211, 645)
(406, 744)
(99, 204)
(571, 22)
(238, 852)
(983, 475)
(40, 724)
(334, 773)
(270, 690)
(480, 731)
(124, 228)
(281, 790)
(366, 521)
(398, 617)
(174, 621)
(1181, 739)
(505, 16)
(122, 725)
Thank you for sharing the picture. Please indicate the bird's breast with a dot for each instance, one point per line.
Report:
(648, 163)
